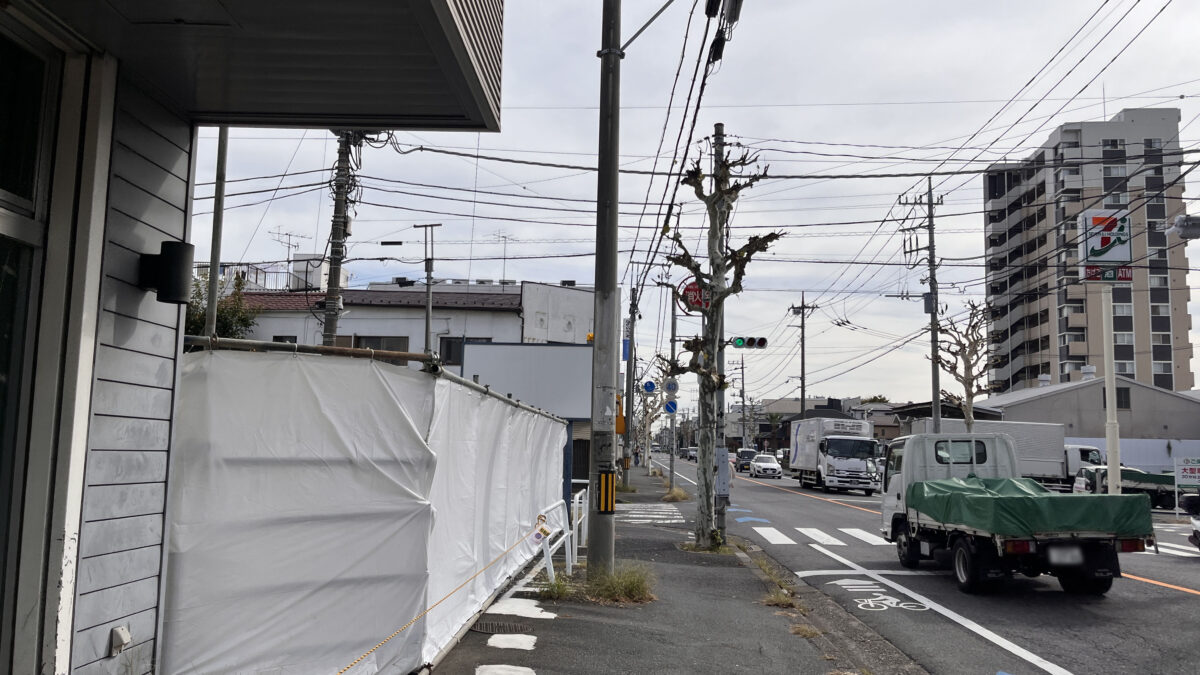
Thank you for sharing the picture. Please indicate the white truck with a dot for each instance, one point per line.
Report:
(1041, 448)
(834, 454)
(959, 496)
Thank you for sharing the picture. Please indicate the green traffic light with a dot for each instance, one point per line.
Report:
(739, 342)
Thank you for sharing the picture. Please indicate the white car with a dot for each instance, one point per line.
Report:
(765, 466)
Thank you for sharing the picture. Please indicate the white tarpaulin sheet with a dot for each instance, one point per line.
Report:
(317, 504)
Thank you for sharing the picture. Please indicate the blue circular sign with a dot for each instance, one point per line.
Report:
(670, 407)
(649, 386)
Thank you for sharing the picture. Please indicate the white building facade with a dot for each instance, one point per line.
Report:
(1045, 322)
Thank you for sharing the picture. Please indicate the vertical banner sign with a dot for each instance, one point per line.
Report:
(1187, 472)
(1105, 251)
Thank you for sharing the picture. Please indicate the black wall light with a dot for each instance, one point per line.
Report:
(168, 272)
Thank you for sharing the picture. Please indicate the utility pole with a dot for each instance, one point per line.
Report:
(674, 438)
(428, 283)
(717, 244)
(803, 310)
(931, 305)
(602, 459)
(214, 259)
(630, 379)
(743, 391)
(337, 236)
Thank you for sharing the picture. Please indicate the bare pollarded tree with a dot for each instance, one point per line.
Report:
(963, 353)
(721, 279)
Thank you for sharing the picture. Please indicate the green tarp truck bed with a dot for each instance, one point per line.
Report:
(1021, 507)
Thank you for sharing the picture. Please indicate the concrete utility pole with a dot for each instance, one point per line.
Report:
(602, 459)
(717, 244)
(630, 383)
(214, 258)
(337, 237)
(428, 284)
(674, 438)
(803, 310)
(931, 308)
(742, 386)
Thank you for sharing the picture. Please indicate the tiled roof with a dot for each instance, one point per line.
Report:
(301, 301)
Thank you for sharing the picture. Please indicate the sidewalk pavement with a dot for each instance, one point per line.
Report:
(708, 616)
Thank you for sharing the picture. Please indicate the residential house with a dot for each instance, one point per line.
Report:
(98, 125)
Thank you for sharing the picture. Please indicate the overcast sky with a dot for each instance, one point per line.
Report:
(797, 76)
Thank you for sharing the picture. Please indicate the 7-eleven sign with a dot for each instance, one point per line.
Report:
(1105, 237)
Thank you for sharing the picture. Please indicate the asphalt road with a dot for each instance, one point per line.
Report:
(1147, 623)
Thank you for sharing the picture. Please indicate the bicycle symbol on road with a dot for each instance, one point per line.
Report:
(880, 602)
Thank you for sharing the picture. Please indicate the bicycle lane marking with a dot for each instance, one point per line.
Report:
(1003, 643)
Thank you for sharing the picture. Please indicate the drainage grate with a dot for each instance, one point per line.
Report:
(494, 627)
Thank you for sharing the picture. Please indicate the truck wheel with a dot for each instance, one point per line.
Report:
(906, 549)
(966, 567)
(821, 484)
(1076, 583)
(868, 492)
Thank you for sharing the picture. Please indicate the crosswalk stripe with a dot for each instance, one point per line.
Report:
(819, 536)
(1177, 549)
(872, 539)
(773, 536)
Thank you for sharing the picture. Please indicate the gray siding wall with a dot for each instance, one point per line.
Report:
(121, 539)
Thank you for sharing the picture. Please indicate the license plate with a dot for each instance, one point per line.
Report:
(1065, 555)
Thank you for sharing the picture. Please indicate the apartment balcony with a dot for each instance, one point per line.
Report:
(1077, 349)
(1076, 292)
(1077, 320)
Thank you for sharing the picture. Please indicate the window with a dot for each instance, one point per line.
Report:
(1067, 310)
(451, 348)
(1068, 367)
(1153, 143)
(1123, 398)
(1158, 198)
(1114, 171)
(1122, 338)
(1123, 367)
(1122, 309)
(388, 343)
(1156, 171)
(289, 339)
(21, 124)
(1113, 144)
(1158, 253)
(1158, 281)
(1156, 225)
(1160, 338)
(1115, 200)
(1160, 310)
(959, 452)
(1161, 367)
(1067, 338)
(1070, 171)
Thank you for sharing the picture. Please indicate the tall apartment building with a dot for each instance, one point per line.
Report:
(1045, 322)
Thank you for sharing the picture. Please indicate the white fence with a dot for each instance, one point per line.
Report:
(317, 504)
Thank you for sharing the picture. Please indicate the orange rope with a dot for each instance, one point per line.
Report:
(540, 520)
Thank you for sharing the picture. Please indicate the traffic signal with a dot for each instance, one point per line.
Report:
(750, 342)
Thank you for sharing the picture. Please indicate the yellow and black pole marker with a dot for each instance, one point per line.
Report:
(607, 495)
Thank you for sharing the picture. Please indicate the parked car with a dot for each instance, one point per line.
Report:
(744, 457)
(692, 453)
(765, 466)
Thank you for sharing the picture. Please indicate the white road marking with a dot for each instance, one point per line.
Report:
(504, 670)
(665, 467)
(819, 536)
(1176, 549)
(844, 499)
(872, 539)
(520, 607)
(961, 620)
(891, 573)
(773, 536)
(649, 514)
(856, 585)
(512, 641)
